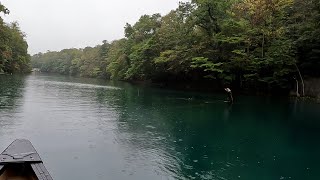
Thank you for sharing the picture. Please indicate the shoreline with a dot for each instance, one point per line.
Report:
(206, 86)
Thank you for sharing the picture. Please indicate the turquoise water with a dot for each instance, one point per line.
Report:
(92, 129)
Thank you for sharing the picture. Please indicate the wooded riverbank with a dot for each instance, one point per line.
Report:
(252, 46)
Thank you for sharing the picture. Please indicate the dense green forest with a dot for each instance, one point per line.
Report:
(246, 44)
(14, 57)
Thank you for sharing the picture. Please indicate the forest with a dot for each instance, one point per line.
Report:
(14, 57)
(261, 45)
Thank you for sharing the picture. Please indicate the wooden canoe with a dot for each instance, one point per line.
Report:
(20, 161)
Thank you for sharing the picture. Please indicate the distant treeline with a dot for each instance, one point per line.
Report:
(14, 57)
(257, 44)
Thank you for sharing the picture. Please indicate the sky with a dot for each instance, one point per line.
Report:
(58, 24)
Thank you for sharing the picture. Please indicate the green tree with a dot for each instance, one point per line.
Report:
(141, 51)
(14, 57)
(305, 32)
(246, 44)
(118, 60)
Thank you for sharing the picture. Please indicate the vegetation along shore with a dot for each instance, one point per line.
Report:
(253, 46)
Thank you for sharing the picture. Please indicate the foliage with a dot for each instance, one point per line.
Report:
(243, 43)
(14, 57)
(304, 30)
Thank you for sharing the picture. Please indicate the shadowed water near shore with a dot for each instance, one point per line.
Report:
(92, 129)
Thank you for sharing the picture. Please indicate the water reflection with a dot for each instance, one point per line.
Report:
(122, 131)
(11, 90)
(194, 139)
(11, 95)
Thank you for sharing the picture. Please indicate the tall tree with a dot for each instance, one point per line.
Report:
(13, 47)
(254, 44)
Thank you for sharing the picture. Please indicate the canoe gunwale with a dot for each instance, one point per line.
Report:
(1, 168)
(21, 151)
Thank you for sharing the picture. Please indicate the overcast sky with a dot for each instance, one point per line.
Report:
(58, 24)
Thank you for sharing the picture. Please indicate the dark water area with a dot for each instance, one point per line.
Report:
(92, 129)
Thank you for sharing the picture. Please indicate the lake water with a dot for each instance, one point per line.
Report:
(92, 129)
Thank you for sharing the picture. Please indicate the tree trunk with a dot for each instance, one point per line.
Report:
(263, 39)
(230, 97)
(302, 81)
(297, 87)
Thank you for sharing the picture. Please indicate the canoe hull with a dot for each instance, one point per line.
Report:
(20, 161)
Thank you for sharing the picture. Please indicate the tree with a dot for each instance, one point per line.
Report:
(262, 45)
(118, 60)
(305, 32)
(140, 48)
(13, 47)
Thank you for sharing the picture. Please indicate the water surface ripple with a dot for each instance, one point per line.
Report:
(93, 129)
